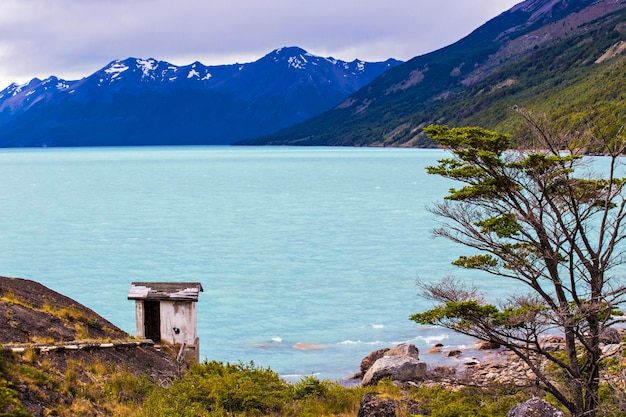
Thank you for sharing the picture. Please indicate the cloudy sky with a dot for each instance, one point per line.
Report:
(74, 38)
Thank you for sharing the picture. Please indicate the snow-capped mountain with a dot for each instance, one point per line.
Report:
(151, 102)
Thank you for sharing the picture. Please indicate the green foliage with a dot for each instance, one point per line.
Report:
(213, 388)
(519, 316)
(470, 401)
(478, 143)
(127, 388)
(504, 225)
(36, 376)
(312, 398)
(478, 161)
(476, 261)
(463, 86)
(10, 405)
(544, 220)
(310, 386)
(457, 314)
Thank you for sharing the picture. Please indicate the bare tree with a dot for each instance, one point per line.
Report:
(539, 216)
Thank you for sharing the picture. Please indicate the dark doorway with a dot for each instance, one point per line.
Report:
(152, 320)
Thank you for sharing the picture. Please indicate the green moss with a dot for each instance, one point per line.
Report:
(10, 405)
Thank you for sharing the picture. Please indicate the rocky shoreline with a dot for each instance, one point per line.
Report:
(496, 366)
(485, 364)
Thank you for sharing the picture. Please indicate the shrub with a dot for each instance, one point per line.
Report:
(10, 405)
(127, 388)
(312, 398)
(215, 389)
(310, 386)
(470, 401)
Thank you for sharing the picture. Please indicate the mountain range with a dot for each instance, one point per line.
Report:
(561, 58)
(151, 102)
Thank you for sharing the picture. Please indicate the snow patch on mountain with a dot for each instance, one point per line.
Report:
(297, 62)
(147, 66)
(116, 69)
(182, 101)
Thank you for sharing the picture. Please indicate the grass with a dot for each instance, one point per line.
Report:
(71, 316)
(216, 389)
(79, 387)
(69, 386)
(11, 298)
(210, 389)
(67, 314)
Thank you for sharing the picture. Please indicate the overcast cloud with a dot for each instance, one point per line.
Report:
(73, 38)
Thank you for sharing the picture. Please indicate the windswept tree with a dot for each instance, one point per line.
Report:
(538, 215)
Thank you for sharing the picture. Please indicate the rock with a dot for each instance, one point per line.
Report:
(487, 345)
(369, 360)
(355, 376)
(453, 353)
(610, 336)
(404, 349)
(308, 346)
(472, 362)
(553, 339)
(553, 343)
(436, 348)
(373, 405)
(398, 368)
(441, 372)
(612, 349)
(552, 347)
(535, 407)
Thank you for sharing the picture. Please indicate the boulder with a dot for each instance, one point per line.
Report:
(487, 345)
(369, 360)
(553, 343)
(610, 336)
(453, 354)
(472, 362)
(374, 405)
(535, 407)
(442, 372)
(398, 368)
(404, 349)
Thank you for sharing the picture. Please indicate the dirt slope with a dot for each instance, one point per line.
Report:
(49, 380)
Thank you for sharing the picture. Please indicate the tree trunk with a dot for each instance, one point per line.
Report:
(593, 379)
(575, 385)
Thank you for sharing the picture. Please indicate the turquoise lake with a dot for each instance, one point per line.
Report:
(292, 245)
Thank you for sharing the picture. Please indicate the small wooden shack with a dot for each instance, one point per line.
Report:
(166, 312)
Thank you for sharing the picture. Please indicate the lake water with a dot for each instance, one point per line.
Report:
(292, 245)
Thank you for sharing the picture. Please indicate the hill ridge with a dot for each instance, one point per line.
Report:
(472, 80)
(139, 101)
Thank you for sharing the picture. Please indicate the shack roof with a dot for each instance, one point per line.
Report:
(174, 291)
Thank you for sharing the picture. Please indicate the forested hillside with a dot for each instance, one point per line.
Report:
(563, 58)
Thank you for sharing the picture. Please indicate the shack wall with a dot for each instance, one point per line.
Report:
(139, 320)
(179, 315)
